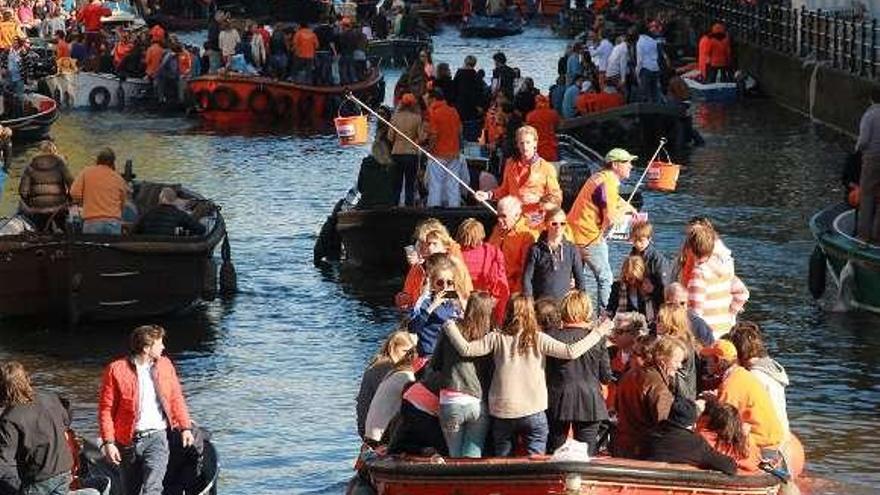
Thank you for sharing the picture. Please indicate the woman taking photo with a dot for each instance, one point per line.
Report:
(518, 393)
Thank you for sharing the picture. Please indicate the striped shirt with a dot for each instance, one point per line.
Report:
(716, 294)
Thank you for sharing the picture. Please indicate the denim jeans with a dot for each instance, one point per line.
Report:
(56, 485)
(464, 428)
(144, 463)
(533, 429)
(105, 227)
(596, 257)
(443, 190)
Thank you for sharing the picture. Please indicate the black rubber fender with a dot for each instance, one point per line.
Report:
(224, 98)
(261, 101)
(818, 273)
(99, 98)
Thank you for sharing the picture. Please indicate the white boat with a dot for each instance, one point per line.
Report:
(123, 15)
(711, 92)
(96, 91)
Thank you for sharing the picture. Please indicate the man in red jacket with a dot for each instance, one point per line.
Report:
(140, 400)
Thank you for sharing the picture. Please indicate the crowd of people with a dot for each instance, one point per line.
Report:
(503, 351)
(143, 422)
(53, 201)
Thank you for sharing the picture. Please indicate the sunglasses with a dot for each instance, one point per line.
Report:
(441, 282)
(558, 224)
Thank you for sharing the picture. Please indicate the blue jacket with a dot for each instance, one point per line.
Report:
(429, 326)
(549, 274)
(658, 272)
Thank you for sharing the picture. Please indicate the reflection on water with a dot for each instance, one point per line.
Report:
(275, 373)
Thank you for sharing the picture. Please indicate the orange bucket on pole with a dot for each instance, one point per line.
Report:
(663, 176)
(351, 130)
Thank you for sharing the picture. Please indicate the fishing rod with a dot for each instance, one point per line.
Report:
(350, 96)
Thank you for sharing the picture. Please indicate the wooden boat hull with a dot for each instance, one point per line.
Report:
(854, 265)
(526, 476)
(636, 125)
(35, 126)
(397, 52)
(100, 277)
(230, 100)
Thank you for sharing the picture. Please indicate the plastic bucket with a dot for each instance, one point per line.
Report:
(663, 176)
(351, 130)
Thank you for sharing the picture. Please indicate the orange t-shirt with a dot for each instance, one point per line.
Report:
(62, 49)
(744, 465)
(606, 101)
(122, 50)
(741, 389)
(703, 54)
(545, 121)
(445, 127)
(515, 246)
(305, 43)
(154, 59)
(597, 202)
(101, 191)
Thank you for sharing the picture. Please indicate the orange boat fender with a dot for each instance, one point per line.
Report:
(261, 101)
(224, 98)
(204, 99)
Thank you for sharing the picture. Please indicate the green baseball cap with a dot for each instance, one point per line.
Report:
(619, 155)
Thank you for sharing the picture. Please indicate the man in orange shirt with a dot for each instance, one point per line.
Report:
(102, 193)
(546, 121)
(62, 47)
(513, 237)
(597, 207)
(305, 44)
(445, 131)
(531, 179)
(153, 58)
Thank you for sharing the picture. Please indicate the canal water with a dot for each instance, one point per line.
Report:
(274, 373)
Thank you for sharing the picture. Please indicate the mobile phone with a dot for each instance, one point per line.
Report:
(450, 294)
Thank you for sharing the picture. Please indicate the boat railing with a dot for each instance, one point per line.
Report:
(580, 149)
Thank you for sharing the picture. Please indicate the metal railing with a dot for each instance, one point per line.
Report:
(842, 39)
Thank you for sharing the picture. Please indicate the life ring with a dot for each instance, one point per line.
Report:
(224, 98)
(99, 98)
(817, 273)
(283, 107)
(204, 99)
(261, 101)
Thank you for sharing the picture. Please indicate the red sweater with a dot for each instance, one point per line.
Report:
(486, 266)
(118, 400)
(90, 16)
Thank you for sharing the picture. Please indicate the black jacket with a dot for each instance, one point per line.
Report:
(573, 386)
(45, 183)
(469, 91)
(657, 269)
(32, 438)
(549, 274)
(165, 219)
(674, 444)
(469, 375)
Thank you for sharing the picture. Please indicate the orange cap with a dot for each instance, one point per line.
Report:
(722, 349)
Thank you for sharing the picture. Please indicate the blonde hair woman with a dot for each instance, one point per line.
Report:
(673, 321)
(392, 351)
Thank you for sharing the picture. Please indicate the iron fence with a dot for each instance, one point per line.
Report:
(841, 39)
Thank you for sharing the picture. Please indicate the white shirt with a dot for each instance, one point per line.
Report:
(600, 54)
(618, 61)
(646, 54)
(150, 416)
(228, 40)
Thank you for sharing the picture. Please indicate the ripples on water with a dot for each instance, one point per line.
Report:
(274, 374)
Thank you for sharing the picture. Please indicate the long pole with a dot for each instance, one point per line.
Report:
(446, 169)
(642, 178)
